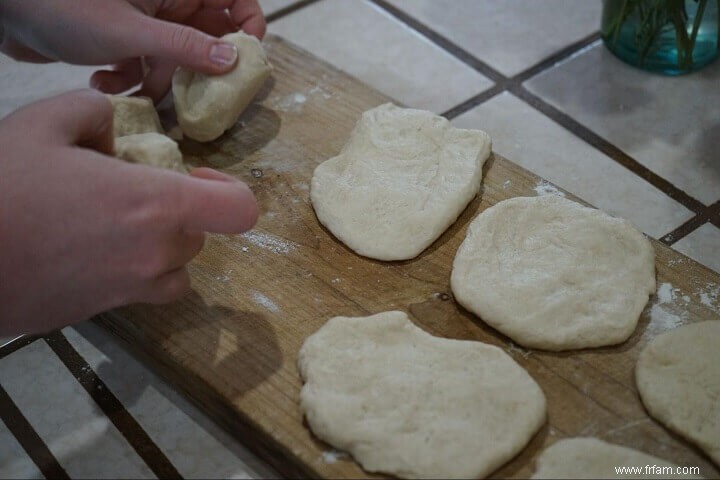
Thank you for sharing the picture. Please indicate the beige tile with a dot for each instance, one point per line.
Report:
(272, 6)
(529, 138)
(23, 83)
(14, 462)
(669, 124)
(191, 441)
(509, 35)
(368, 43)
(702, 245)
(75, 430)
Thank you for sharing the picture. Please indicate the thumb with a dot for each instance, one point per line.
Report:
(81, 117)
(219, 204)
(183, 45)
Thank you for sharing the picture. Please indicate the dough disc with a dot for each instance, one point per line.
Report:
(401, 180)
(678, 377)
(553, 274)
(593, 458)
(404, 402)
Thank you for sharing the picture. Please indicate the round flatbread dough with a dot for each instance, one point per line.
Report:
(552, 274)
(593, 458)
(151, 149)
(207, 105)
(404, 402)
(401, 180)
(678, 377)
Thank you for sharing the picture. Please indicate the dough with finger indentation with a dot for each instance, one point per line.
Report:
(151, 149)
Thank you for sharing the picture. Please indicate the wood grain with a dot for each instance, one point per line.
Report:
(231, 345)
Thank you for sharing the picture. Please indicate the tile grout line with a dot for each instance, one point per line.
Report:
(126, 424)
(514, 85)
(292, 8)
(29, 439)
(16, 344)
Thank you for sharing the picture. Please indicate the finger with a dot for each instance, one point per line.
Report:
(20, 52)
(186, 247)
(248, 15)
(124, 76)
(215, 22)
(216, 206)
(158, 79)
(182, 45)
(211, 174)
(168, 287)
(82, 117)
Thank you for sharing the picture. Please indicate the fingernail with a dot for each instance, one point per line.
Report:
(223, 54)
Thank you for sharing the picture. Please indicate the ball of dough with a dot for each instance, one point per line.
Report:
(133, 115)
(593, 458)
(401, 180)
(150, 149)
(404, 402)
(207, 105)
(552, 274)
(678, 377)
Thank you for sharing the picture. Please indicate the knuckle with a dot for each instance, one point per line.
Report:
(183, 39)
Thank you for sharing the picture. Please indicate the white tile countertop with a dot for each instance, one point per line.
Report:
(533, 74)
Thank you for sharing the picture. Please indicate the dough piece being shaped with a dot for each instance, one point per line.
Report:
(678, 377)
(401, 180)
(151, 149)
(133, 115)
(404, 402)
(207, 105)
(552, 274)
(593, 458)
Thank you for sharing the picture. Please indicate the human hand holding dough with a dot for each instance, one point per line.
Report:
(151, 149)
(206, 105)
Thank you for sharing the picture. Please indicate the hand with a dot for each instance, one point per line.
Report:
(82, 232)
(144, 39)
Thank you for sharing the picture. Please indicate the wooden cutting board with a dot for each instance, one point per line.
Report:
(232, 344)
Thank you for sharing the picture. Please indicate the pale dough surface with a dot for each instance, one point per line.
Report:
(552, 274)
(401, 180)
(594, 458)
(404, 402)
(133, 115)
(207, 105)
(678, 377)
(151, 149)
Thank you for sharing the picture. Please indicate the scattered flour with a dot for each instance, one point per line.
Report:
(506, 184)
(512, 349)
(546, 188)
(667, 312)
(293, 102)
(332, 456)
(225, 277)
(710, 296)
(336, 280)
(269, 242)
(265, 301)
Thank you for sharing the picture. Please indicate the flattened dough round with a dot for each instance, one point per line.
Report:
(593, 458)
(401, 180)
(151, 149)
(207, 105)
(678, 377)
(552, 274)
(404, 402)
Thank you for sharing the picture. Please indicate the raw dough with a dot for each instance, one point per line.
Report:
(207, 105)
(133, 115)
(593, 458)
(151, 149)
(553, 274)
(404, 402)
(403, 177)
(678, 377)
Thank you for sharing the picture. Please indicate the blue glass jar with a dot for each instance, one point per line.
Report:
(665, 36)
